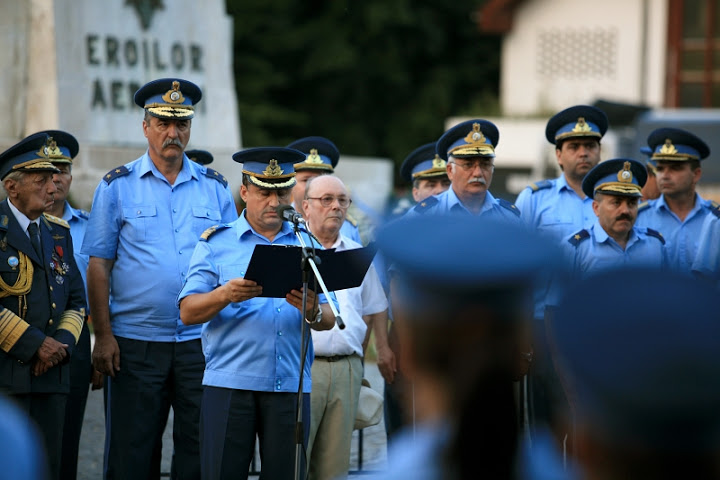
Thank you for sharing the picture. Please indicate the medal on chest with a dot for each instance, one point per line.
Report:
(58, 265)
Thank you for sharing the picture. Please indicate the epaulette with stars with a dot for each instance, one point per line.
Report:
(656, 234)
(579, 237)
(56, 220)
(211, 231)
(541, 185)
(643, 206)
(217, 176)
(509, 206)
(715, 208)
(426, 204)
(115, 173)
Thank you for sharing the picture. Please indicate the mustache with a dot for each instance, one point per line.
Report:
(172, 141)
(479, 180)
(624, 217)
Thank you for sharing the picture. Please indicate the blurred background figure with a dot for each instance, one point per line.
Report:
(426, 171)
(203, 157)
(650, 191)
(462, 311)
(636, 351)
(21, 449)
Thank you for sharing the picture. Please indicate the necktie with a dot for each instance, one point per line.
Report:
(35, 238)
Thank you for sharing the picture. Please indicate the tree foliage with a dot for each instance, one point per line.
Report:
(377, 77)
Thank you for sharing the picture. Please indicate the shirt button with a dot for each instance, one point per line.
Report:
(50, 322)
(182, 273)
(53, 305)
(139, 212)
(174, 210)
(280, 334)
(177, 230)
(180, 252)
(51, 289)
(277, 387)
(278, 309)
(279, 357)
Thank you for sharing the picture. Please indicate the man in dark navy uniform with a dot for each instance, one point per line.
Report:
(42, 298)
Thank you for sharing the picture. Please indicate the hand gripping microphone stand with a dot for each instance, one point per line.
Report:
(307, 262)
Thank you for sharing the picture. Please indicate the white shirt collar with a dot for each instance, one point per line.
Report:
(22, 219)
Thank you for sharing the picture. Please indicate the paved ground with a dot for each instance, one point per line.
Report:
(93, 437)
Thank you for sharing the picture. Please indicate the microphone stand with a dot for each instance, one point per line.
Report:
(307, 262)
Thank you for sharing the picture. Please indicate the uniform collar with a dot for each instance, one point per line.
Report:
(700, 204)
(601, 236)
(243, 227)
(21, 218)
(452, 200)
(188, 171)
(69, 213)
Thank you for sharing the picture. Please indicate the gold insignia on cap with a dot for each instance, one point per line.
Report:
(174, 95)
(475, 136)
(581, 126)
(50, 149)
(668, 148)
(273, 169)
(625, 175)
(439, 162)
(314, 157)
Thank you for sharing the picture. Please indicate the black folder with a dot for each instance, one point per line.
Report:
(277, 268)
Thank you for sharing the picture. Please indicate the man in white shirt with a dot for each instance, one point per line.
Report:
(338, 369)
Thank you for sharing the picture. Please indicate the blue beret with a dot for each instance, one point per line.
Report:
(322, 154)
(441, 257)
(639, 352)
(619, 176)
(675, 144)
(423, 162)
(38, 152)
(170, 98)
(269, 167)
(473, 138)
(203, 157)
(577, 121)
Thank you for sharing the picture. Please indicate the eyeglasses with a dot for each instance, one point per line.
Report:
(328, 200)
(484, 164)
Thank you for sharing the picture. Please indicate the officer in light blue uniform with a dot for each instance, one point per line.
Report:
(612, 241)
(251, 343)
(707, 260)
(146, 219)
(427, 172)
(464, 318)
(203, 157)
(679, 212)
(469, 149)
(637, 351)
(321, 158)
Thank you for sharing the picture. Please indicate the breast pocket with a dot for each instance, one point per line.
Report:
(141, 223)
(228, 272)
(204, 218)
(9, 269)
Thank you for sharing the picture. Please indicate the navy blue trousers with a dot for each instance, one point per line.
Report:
(230, 421)
(153, 377)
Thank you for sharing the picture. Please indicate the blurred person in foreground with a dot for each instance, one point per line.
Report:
(463, 311)
(636, 351)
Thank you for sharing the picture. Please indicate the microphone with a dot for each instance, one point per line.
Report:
(287, 212)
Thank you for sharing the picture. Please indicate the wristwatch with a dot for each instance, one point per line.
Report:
(318, 317)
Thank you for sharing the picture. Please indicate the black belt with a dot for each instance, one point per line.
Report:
(333, 358)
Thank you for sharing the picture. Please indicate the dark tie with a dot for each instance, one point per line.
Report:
(35, 238)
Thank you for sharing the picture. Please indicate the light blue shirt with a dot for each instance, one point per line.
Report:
(600, 252)
(707, 260)
(78, 220)
(682, 237)
(448, 202)
(150, 228)
(556, 211)
(255, 344)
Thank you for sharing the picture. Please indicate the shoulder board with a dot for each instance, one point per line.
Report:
(352, 220)
(643, 206)
(579, 237)
(656, 234)
(541, 185)
(211, 231)
(715, 208)
(56, 220)
(4, 220)
(115, 173)
(426, 204)
(214, 174)
(509, 206)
